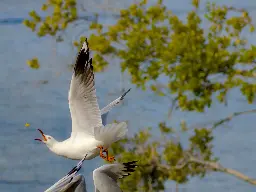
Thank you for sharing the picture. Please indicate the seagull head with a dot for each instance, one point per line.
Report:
(46, 139)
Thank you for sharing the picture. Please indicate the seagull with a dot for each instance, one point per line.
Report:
(88, 132)
(105, 178)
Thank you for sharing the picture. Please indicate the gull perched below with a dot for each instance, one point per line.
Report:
(105, 178)
(88, 133)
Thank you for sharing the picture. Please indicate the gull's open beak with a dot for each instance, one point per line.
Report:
(44, 138)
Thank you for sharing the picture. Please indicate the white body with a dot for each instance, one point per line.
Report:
(77, 148)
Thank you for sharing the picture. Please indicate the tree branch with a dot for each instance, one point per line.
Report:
(218, 167)
(173, 103)
(229, 118)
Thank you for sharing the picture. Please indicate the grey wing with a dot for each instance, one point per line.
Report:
(61, 184)
(105, 177)
(76, 185)
(70, 180)
(104, 183)
(113, 103)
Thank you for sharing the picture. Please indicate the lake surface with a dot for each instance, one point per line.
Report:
(28, 166)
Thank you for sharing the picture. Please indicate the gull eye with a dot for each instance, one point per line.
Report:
(49, 137)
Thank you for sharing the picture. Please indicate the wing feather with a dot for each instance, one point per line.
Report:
(84, 108)
(113, 103)
(116, 171)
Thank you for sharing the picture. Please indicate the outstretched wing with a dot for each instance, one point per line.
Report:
(69, 180)
(84, 108)
(71, 183)
(105, 177)
(113, 103)
(104, 112)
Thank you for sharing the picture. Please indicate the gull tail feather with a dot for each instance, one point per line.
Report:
(111, 132)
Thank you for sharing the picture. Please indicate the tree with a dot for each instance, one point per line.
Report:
(200, 64)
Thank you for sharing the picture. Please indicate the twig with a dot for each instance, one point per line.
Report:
(173, 103)
(218, 167)
(229, 118)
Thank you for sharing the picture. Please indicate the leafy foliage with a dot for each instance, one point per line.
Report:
(160, 159)
(199, 64)
(64, 12)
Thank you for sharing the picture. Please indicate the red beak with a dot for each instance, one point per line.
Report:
(42, 133)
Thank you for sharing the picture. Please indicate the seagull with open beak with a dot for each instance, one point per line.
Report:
(89, 134)
(43, 136)
(46, 139)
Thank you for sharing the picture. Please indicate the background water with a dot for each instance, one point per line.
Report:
(27, 166)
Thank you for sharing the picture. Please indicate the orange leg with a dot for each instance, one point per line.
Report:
(109, 158)
(101, 152)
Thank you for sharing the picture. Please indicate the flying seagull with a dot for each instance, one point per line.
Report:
(105, 178)
(88, 132)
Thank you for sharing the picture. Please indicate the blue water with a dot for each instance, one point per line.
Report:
(28, 166)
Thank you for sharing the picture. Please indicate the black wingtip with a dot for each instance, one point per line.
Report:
(129, 167)
(70, 180)
(130, 163)
(82, 59)
(122, 96)
(84, 157)
(72, 170)
(85, 45)
(77, 168)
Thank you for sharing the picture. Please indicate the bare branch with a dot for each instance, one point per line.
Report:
(173, 103)
(181, 164)
(229, 118)
(218, 167)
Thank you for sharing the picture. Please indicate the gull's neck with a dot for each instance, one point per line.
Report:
(59, 148)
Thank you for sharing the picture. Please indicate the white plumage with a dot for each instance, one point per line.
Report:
(88, 132)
